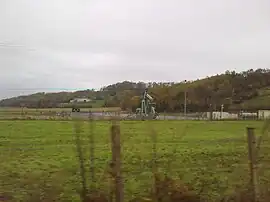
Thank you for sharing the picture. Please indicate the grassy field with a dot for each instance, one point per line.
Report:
(15, 109)
(9, 112)
(39, 158)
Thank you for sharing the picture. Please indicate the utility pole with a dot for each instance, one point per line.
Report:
(221, 111)
(232, 96)
(185, 105)
(210, 108)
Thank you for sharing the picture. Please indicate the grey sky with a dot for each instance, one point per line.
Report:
(78, 44)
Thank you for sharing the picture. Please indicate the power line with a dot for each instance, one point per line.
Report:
(5, 45)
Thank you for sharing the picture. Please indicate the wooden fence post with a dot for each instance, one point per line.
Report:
(252, 163)
(116, 161)
(154, 165)
(78, 128)
(92, 151)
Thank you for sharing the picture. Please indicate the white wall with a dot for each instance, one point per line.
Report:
(222, 115)
(264, 114)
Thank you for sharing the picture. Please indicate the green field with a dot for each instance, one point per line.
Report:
(39, 158)
(11, 113)
(16, 109)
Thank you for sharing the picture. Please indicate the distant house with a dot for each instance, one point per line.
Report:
(80, 100)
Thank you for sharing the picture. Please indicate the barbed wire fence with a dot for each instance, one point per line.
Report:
(249, 187)
(67, 114)
(169, 178)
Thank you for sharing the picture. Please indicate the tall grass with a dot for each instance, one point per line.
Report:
(164, 187)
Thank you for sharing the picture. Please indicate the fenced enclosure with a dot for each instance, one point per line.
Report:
(70, 161)
(67, 114)
(110, 113)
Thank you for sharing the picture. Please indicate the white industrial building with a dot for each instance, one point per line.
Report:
(261, 114)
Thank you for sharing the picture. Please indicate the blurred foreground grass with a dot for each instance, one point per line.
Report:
(39, 157)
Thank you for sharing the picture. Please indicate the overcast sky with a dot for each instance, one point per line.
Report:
(78, 44)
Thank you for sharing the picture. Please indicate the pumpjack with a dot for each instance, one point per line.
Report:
(148, 107)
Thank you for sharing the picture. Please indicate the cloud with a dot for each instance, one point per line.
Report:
(68, 44)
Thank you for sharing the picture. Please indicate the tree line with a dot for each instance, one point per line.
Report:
(248, 90)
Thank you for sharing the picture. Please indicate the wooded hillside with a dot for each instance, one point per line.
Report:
(249, 90)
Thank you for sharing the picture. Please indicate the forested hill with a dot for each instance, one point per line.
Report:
(249, 90)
